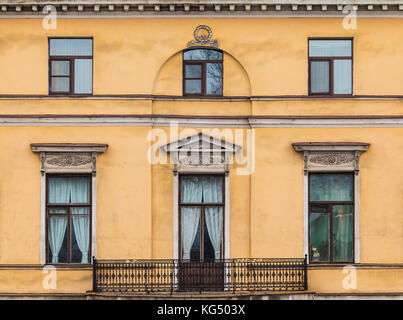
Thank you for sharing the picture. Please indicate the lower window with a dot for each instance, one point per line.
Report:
(201, 210)
(331, 217)
(68, 219)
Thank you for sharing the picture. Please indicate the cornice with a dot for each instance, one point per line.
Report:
(201, 121)
(161, 8)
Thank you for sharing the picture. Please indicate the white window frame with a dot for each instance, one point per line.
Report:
(332, 157)
(74, 153)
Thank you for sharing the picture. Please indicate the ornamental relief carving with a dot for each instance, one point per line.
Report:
(331, 159)
(197, 159)
(68, 160)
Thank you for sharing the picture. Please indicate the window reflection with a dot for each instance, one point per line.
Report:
(203, 72)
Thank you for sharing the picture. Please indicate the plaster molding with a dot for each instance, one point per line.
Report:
(390, 121)
(157, 8)
(67, 158)
(332, 157)
(201, 151)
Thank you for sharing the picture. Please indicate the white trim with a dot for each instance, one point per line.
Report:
(227, 215)
(42, 150)
(67, 149)
(241, 122)
(42, 254)
(357, 244)
(227, 210)
(208, 15)
(94, 217)
(306, 218)
(354, 168)
(176, 216)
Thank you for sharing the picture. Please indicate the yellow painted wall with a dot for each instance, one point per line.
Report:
(272, 51)
(366, 280)
(135, 200)
(37, 280)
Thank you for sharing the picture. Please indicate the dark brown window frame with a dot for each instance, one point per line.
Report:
(203, 73)
(202, 206)
(331, 76)
(330, 203)
(68, 207)
(71, 60)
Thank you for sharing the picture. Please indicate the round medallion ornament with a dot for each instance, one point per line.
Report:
(200, 33)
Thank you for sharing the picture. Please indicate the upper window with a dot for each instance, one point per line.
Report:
(68, 208)
(70, 66)
(330, 67)
(202, 72)
(331, 217)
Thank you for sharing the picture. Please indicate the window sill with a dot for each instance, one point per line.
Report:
(355, 265)
(84, 266)
(70, 266)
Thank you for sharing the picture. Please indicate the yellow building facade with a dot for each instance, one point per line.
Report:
(285, 118)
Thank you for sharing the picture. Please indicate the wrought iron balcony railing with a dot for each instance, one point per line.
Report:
(231, 275)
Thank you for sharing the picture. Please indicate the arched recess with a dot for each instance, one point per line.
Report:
(168, 80)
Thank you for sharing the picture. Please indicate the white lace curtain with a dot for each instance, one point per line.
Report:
(201, 190)
(69, 190)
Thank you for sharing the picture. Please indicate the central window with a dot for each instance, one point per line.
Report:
(201, 217)
(68, 216)
(202, 72)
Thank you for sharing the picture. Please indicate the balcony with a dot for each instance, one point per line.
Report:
(169, 276)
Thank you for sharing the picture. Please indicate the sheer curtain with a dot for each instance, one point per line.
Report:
(191, 193)
(342, 233)
(212, 193)
(69, 190)
(58, 193)
(190, 224)
(79, 188)
(57, 230)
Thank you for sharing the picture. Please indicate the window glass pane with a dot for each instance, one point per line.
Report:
(212, 189)
(193, 86)
(75, 251)
(214, 78)
(331, 187)
(60, 84)
(193, 71)
(330, 48)
(83, 76)
(69, 190)
(190, 231)
(342, 233)
(213, 232)
(320, 76)
(80, 210)
(342, 76)
(80, 238)
(191, 189)
(70, 47)
(60, 68)
(208, 246)
(57, 211)
(57, 237)
(202, 54)
(319, 234)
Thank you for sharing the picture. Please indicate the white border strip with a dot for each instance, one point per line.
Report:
(200, 122)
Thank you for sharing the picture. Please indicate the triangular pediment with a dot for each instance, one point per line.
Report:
(201, 150)
(201, 142)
